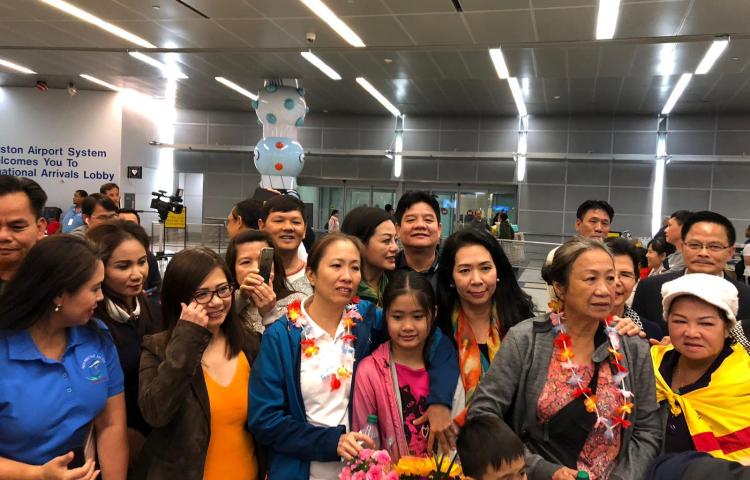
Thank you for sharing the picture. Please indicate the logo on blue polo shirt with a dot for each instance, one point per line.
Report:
(94, 368)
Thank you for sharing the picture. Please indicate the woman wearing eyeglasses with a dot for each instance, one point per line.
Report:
(194, 377)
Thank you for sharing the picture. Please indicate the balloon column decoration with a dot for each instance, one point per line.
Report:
(278, 155)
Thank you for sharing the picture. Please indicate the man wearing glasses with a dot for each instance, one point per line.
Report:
(707, 245)
(96, 209)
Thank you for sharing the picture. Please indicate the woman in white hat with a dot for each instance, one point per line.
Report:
(702, 378)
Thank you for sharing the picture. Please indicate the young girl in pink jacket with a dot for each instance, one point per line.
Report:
(393, 383)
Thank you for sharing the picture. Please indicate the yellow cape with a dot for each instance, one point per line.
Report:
(718, 415)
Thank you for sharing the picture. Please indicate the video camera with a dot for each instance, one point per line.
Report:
(164, 207)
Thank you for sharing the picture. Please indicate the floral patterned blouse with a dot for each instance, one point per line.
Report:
(599, 454)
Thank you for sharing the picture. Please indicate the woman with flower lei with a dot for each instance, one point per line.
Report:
(301, 385)
(580, 396)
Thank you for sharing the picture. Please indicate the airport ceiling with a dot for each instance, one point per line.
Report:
(429, 57)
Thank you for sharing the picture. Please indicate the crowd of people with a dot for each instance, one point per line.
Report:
(273, 360)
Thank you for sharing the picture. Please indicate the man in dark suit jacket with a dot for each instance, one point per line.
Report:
(708, 243)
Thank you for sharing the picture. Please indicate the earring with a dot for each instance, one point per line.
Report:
(498, 280)
(451, 285)
(57, 308)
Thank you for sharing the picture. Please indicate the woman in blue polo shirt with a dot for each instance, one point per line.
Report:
(61, 375)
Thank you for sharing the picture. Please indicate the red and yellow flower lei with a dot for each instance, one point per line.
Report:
(309, 345)
(564, 346)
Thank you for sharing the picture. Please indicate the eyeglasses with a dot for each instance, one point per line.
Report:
(205, 296)
(711, 247)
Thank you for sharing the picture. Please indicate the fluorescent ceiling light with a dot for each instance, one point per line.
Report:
(15, 66)
(322, 66)
(606, 19)
(515, 89)
(682, 84)
(169, 71)
(398, 158)
(100, 82)
(499, 61)
(378, 96)
(658, 195)
(713, 54)
(320, 9)
(103, 24)
(236, 87)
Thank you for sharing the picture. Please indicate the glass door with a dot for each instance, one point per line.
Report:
(447, 202)
(474, 204)
(356, 197)
(381, 198)
(331, 198)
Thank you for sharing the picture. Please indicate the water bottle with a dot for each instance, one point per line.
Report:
(582, 475)
(371, 430)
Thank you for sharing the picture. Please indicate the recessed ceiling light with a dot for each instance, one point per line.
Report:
(94, 20)
(734, 59)
(169, 70)
(606, 19)
(16, 67)
(515, 89)
(321, 65)
(499, 61)
(388, 60)
(556, 97)
(320, 9)
(378, 96)
(100, 82)
(156, 7)
(236, 87)
(713, 54)
(682, 84)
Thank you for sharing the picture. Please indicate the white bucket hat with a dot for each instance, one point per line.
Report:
(709, 288)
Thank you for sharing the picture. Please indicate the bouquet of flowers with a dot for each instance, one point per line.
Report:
(428, 468)
(369, 465)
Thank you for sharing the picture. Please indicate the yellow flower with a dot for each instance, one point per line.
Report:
(343, 373)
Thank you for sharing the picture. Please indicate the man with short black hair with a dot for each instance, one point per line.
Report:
(673, 234)
(418, 228)
(96, 209)
(707, 245)
(283, 217)
(73, 217)
(594, 219)
(21, 221)
(111, 191)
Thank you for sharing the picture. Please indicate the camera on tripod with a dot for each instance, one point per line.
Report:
(163, 207)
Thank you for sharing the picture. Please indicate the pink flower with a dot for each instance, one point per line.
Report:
(359, 476)
(382, 457)
(346, 474)
(365, 454)
(391, 476)
(374, 473)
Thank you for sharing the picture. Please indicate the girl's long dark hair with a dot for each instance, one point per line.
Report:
(184, 274)
(280, 287)
(56, 264)
(512, 304)
(418, 286)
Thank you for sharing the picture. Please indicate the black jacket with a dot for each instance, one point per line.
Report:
(174, 401)
(647, 300)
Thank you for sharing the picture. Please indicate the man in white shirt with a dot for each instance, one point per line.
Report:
(283, 217)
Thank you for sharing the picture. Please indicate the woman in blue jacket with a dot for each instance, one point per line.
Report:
(302, 380)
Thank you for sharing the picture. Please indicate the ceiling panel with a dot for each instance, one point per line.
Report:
(438, 57)
(651, 19)
(565, 24)
(496, 28)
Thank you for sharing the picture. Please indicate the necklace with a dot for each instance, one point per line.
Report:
(564, 345)
(309, 345)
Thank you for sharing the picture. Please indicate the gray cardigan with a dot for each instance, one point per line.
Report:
(512, 386)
